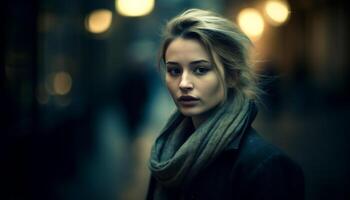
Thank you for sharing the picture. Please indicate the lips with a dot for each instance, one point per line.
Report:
(188, 100)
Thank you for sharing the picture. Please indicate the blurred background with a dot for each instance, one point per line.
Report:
(82, 101)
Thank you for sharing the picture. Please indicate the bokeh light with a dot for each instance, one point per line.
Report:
(251, 22)
(99, 21)
(277, 12)
(134, 8)
(62, 83)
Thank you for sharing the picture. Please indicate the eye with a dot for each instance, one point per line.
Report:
(200, 70)
(174, 71)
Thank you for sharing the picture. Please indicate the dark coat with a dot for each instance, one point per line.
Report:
(256, 170)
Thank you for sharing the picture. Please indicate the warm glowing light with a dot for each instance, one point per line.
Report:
(251, 22)
(277, 11)
(134, 8)
(99, 21)
(62, 83)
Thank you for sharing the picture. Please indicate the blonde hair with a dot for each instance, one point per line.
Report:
(225, 43)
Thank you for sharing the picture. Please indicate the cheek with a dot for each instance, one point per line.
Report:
(214, 88)
(171, 85)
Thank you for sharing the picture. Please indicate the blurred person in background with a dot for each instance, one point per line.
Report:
(208, 148)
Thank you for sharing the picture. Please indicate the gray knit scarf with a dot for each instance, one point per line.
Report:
(180, 152)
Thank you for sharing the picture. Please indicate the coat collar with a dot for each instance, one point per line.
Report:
(235, 144)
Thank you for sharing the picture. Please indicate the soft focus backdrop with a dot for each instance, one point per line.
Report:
(82, 101)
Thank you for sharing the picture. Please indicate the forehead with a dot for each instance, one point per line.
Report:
(185, 50)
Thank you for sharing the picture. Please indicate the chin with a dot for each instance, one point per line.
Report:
(190, 112)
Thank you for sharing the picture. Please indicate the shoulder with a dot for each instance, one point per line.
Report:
(266, 169)
(254, 152)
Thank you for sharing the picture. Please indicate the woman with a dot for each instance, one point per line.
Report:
(208, 149)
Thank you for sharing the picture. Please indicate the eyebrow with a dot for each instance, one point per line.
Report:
(191, 63)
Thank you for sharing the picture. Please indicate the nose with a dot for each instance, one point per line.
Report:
(186, 83)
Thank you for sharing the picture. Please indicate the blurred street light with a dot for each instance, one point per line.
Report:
(134, 8)
(62, 83)
(99, 21)
(251, 22)
(277, 11)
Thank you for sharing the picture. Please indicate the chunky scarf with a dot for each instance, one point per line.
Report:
(180, 152)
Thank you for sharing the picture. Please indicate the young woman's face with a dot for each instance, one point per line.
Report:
(191, 79)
